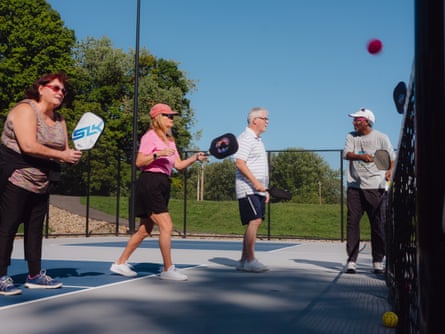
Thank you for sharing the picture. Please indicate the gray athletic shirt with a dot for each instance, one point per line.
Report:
(365, 175)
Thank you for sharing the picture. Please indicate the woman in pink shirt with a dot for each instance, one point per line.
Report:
(156, 159)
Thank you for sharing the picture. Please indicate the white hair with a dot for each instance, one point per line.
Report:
(254, 113)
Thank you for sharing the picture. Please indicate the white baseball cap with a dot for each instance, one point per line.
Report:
(365, 113)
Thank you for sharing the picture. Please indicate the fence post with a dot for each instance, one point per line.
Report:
(87, 215)
(342, 191)
(118, 193)
(184, 232)
(430, 161)
(268, 204)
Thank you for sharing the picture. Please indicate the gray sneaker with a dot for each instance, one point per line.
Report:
(351, 267)
(378, 267)
(7, 287)
(254, 266)
(42, 281)
(240, 265)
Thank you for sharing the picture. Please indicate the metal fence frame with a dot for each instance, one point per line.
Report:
(269, 153)
(184, 222)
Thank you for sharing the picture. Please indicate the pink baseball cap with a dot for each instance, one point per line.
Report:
(161, 108)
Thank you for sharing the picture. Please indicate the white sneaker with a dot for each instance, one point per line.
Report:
(240, 265)
(378, 267)
(254, 266)
(123, 269)
(172, 274)
(351, 267)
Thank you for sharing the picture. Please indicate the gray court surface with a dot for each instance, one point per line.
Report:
(305, 291)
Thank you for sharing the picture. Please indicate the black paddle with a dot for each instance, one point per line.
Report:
(279, 193)
(399, 96)
(223, 146)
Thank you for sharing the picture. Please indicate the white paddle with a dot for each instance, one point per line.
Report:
(87, 131)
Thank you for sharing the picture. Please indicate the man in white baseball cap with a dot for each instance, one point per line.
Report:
(364, 113)
(366, 187)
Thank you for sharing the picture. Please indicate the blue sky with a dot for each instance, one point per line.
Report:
(304, 60)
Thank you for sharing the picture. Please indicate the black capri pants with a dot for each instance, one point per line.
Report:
(21, 206)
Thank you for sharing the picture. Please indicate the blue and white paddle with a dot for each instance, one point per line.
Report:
(87, 131)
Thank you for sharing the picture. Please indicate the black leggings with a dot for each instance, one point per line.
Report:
(21, 206)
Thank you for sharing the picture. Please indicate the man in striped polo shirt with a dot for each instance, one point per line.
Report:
(252, 180)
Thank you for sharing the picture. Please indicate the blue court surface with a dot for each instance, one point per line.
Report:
(196, 245)
(79, 275)
(305, 290)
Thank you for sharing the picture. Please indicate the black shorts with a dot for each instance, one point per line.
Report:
(152, 194)
(252, 207)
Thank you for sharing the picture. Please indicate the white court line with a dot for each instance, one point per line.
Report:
(86, 289)
(284, 248)
(204, 265)
(78, 287)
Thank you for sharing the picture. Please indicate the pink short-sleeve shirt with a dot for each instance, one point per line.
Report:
(151, 143)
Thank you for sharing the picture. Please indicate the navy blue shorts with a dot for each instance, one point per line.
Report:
(252, 207)
(152, 194)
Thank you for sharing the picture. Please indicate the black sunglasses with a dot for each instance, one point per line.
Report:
(169, 116)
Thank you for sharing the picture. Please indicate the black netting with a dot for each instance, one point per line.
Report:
(401, 223)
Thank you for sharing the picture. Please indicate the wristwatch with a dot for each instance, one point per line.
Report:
(155, 156)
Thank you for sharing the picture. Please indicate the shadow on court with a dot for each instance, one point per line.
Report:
(305, 291)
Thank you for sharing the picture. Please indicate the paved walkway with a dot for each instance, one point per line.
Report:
(72, 204)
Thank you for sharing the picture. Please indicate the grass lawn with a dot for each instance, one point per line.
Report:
(311, 221)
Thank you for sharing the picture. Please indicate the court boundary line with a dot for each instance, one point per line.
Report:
(86, 289)
(283, 248)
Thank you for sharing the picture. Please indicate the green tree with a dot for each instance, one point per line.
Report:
(162, 81)
(219, 182)
(103, 84)
(101, 72)
(216, 181)
(305, 174)
(33, 41)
